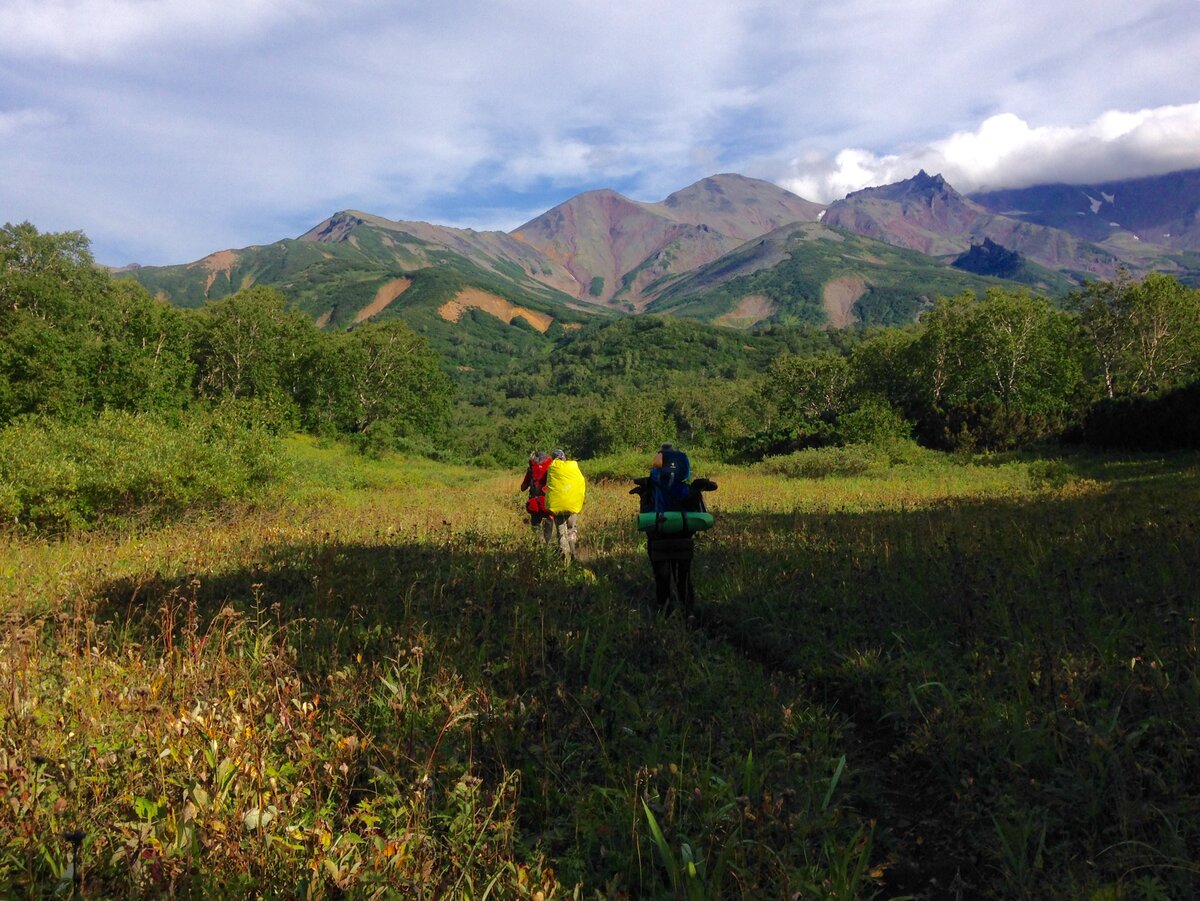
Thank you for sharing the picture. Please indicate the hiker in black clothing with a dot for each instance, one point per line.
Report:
(671, 510)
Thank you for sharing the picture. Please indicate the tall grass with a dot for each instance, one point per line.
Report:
(970, 678)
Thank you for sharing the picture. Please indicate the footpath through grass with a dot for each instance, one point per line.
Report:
(939, 679)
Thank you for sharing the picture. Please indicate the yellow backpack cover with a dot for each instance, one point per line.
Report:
(565, 487)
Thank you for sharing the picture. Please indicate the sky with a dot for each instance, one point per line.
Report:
(166, 130)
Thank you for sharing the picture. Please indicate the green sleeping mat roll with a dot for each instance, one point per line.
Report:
(674, 523)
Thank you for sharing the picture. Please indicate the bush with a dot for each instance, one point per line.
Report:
(1050, 474)
(1171, 420)
(872, 423)
(58, 476)
(823, 462)
(850, 460)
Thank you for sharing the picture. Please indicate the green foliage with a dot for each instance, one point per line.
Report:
(596, 288)
(56, 476)
(73, 341)
(888, 305)
(626, 422)
(809, 388)
(380, 379)
(1142, 337)
(995, 372)
(252, 344)
(877, 459)
(871, 423)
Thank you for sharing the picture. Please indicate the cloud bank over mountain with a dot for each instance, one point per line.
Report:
(1006, 152)
(167, 128)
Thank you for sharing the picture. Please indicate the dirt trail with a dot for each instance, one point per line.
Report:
(383, 298)
(504, 310)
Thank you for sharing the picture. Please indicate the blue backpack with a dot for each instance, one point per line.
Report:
(671, 482)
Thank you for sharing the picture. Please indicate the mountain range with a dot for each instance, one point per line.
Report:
(735, 250)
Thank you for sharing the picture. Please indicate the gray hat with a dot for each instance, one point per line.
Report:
(559, 454)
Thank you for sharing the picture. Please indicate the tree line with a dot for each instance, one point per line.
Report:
(1109, 364)
(75, 341)
(992, 371)
(1002, 370)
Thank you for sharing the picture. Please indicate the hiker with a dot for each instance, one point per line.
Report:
(535, 483)
(565, 489)
(671, 511)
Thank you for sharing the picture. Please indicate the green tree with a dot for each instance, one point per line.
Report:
(1104, 325)
(626, 422)
(143, 361)
(74, 341)
(1024, 357)
(253, 345)
(997, 371)
(943, 353)
(381, 376)
(1164, 324)
(885, 368)
(809, 387)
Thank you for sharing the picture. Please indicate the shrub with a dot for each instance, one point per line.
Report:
(1050, 474)
(823, 462)
(1171, 420)
(849, 460)
(871, 423)
(58, 476)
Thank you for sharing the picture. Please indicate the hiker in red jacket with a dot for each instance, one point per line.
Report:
(535, 483)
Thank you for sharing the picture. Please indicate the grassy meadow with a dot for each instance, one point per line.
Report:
(912, 675)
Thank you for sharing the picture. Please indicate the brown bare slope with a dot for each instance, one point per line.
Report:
(625, 252)
(502, 309)
(387, 292)
(738, 207)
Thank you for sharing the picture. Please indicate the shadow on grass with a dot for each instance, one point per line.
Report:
(1016, 678)
(983, 652)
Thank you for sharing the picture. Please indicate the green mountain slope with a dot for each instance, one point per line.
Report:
(812, 274)
(479, 311)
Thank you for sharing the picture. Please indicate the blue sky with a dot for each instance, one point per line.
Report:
(169, 129)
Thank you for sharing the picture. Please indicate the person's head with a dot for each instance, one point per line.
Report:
(538, 457)
(559, 454)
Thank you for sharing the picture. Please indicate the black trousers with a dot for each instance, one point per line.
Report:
(671, 561)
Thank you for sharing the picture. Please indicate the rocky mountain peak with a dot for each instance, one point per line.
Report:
(922, 186)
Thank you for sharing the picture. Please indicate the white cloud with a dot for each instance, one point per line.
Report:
(1006, 152)
(225, 122)
(79, 30)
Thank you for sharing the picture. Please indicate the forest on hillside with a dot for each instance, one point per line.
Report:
(1112, 364)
